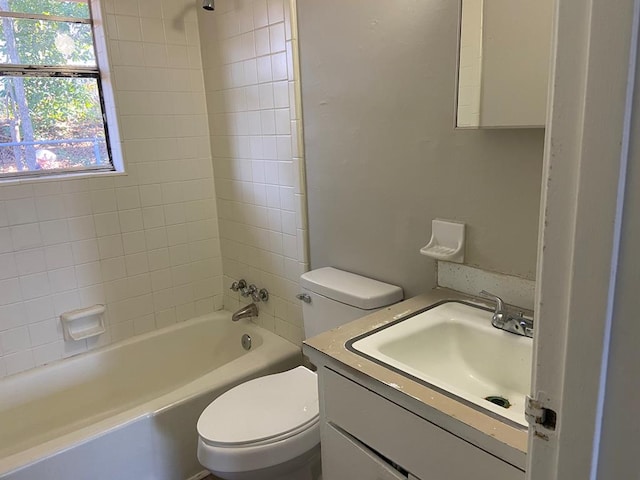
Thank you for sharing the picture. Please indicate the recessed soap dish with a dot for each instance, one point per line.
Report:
(447, 241)
(83, 323)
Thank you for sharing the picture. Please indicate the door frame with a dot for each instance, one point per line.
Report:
(586, 160)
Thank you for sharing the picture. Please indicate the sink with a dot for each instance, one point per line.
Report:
(453, 348)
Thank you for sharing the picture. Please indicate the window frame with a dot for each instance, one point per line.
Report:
(100, 72)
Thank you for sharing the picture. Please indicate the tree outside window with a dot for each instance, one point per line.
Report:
(51, 107)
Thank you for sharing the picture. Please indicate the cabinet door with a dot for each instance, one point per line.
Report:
(503, 66)
(345, 458)
(417, 445)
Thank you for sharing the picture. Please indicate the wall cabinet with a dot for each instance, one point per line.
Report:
(503, 66)
(368, 437)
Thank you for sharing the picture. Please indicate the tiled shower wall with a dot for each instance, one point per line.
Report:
(252, 87)
(145, 243)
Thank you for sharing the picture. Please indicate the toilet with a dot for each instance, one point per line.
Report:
(268, 428)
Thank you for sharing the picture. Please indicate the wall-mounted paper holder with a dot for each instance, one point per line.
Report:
(447, 241)
(83, 323)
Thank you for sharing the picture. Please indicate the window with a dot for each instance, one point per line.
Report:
(52, 111)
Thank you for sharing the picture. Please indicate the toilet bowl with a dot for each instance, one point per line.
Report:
(263, 429)
(268, 428)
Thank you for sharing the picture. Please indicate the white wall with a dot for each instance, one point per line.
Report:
(252, 92)
(383, 158)
(145, 243)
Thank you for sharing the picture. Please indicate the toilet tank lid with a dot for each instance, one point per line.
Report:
(349, 288)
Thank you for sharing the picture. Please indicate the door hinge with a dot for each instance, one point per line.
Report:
(538, 415)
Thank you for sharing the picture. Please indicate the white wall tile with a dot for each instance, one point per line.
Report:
(113, 268)
(88, 274)
(264, 69)
(34, 286)
(54, 232)
(10, 291)
(4, 219)
(110, 246)
(18, 362)
(25, 236)
(59, 256)
(107, 224)
(134, 242)
(21, 211)
(277, 38)
(85, 251)
(31, 261)
(47, 353)
(153, 217)
(39, 309)
(41, 333)
(6, 242)
(279, 69)
(81, 228)
(8, 266)
(62, 279)
(150, 195)
(131, 220)
(50, 207)
(77, 204)
(103, 201)
(276, 11)
(256, 176)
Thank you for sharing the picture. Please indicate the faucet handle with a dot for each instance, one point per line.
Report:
(499, 314)
(251, 291)
(526, 324)
(495, 298)
(240, 285)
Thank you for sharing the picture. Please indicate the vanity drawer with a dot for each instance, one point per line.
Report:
(410, 441)
(345, 458)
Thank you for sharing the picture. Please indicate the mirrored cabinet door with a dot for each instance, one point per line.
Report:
(503, 65)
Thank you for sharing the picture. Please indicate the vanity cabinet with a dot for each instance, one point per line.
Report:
(368, 437)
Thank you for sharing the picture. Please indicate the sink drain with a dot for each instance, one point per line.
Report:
(500, 401)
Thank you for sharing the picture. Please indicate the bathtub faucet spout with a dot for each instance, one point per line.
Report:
(245, 312)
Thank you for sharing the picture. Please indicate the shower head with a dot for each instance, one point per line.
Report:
(209, 5)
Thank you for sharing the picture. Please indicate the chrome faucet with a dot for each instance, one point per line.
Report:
(245, 312)
(252, 291)
(512, 323)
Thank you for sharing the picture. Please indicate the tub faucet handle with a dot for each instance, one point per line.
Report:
(240, 285)
(251, 290)
(261, 295)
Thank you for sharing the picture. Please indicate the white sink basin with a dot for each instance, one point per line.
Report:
(454, 348)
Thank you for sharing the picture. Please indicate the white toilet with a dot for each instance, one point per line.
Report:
(268, 428)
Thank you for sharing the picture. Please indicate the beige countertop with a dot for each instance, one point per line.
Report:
(332, 344)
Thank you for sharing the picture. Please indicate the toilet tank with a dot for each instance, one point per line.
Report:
(338, 297)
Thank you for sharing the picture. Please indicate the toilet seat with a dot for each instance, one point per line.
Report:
(261, 423)
(254, 457)
(263, 410)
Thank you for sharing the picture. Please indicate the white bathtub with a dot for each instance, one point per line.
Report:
(129, 411)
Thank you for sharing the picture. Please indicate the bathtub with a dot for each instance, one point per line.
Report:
(129, 411)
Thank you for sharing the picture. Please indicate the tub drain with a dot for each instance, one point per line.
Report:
(246, 342)
(500, 401)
